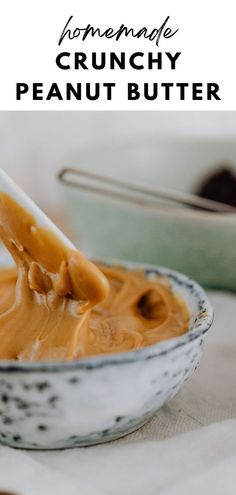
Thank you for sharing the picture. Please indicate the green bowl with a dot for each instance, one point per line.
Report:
(203, 245)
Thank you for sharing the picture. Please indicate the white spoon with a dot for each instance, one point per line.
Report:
(87, 277)
(8, 186)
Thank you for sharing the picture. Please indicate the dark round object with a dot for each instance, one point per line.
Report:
(220, 186)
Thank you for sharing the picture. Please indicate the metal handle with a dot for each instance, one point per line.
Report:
(135, 192)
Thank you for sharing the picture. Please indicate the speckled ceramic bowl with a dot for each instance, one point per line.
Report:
(94, 400)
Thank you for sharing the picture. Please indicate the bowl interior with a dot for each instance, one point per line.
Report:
(201, 316)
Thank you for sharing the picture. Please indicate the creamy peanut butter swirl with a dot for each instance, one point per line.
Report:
(136, 313)
(56, 305)
(45, 306)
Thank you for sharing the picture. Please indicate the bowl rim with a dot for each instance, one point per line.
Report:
(200, 326)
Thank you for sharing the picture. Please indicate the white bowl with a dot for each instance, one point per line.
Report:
(97, 399)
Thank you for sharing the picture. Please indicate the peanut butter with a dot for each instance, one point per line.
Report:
(136, 313)
(45, 305)
(56, 305)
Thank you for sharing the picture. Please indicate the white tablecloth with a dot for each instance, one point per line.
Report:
(188, 448)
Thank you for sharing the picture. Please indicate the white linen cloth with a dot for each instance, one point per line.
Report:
(188, 448)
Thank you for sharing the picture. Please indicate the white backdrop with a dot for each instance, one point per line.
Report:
(33, 145)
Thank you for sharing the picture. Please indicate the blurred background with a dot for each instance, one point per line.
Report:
(178, 150)
(33, 145)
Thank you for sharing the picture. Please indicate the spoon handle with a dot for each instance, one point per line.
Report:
(8, 186)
